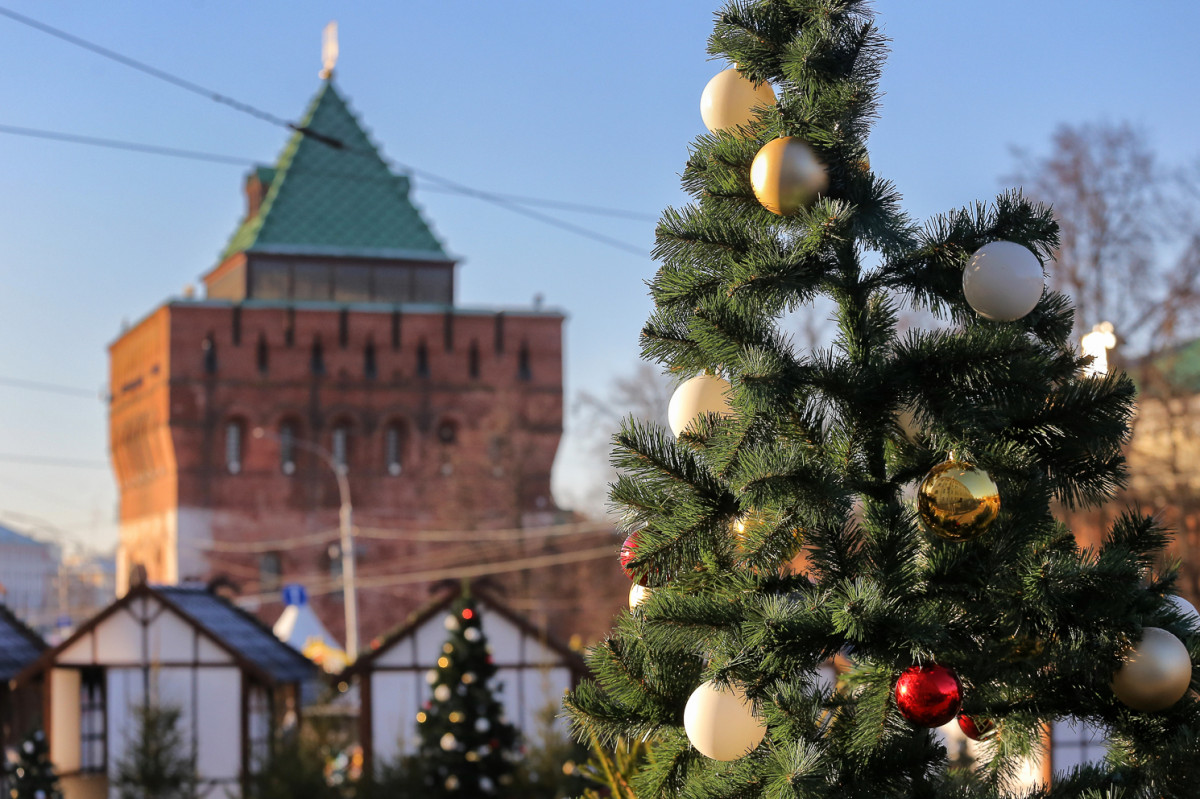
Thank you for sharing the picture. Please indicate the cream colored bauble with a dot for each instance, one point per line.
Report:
(696, 397)
(1156, 673)
(721, 723)
(731, 99)
(786, 176)
(637, 595)
(1003, 281)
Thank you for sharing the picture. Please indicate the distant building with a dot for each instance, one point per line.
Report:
(330, 321)
(234, 684)
(28, 570)
(20, 708)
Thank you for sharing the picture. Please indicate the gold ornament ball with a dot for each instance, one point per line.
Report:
(637, 595)
(731, 99)
(957, 501)
(1156, 673)
(786, 176)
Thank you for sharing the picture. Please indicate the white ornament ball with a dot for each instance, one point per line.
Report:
(451, 622)
(442, 693)
(431, 676)
(1185, 609)
(637, 595)
(448, 742)
(731, 99)
(696, 397)
(472, 634)
(1156, 673)
(721, 723)
(1003, 281)
(786, 176)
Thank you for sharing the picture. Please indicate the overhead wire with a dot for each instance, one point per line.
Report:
(55, 388)
(509, 202)
(174, 80)
(329, 535)
(38, 460)
(333, 585)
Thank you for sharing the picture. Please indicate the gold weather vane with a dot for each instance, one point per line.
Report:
(329, 49)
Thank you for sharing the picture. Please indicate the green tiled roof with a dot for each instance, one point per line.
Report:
(332, 194)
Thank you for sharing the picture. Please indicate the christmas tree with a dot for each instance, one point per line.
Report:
(32, 775)
(885, 502)
(468, 747)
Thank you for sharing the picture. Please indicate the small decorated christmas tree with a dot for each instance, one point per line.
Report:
(468, 747)
(885, 502)
(32, 775)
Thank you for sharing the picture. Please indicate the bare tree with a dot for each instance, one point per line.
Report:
(643, 393)
(1130, 251)
(1130, 255)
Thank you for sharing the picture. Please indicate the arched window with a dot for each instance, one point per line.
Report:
(287, 448)
(209, 347)
(318, 357)
(524, 371)
(341, 446)
(473, 360)
(422, 360)
(234, 430)
(393, 448)
(370, 368)
(262, 354)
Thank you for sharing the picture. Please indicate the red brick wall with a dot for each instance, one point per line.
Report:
(495, 475)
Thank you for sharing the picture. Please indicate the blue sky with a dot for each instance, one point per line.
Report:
(590, 102)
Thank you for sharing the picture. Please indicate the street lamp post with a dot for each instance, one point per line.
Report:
(346, 529)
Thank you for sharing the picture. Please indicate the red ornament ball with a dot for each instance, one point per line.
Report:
(977, 729)
(928, 695)
(628, 553)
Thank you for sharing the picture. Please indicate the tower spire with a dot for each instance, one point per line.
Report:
(329, 49)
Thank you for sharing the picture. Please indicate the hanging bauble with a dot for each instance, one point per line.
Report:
(928, 695)
(1156, 673)
(448, 741)
(721, 723)
(628, 553)
(958, 501)
(637, 595)
(1003, 281)
(700, 395)
(451, 783)
(451, 623)
(1185, 609)
(442, 693)
(786, 176)
(472, 634)
(976, 728)
(731, 99)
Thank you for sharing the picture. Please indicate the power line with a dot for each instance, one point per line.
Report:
(187, 85)
(330, 535)
(258, 113)
(329, 586)
(513, 203)
(117, 144)
(37, 460)
(33, 385)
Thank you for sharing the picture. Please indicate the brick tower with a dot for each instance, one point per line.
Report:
(330, 322)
